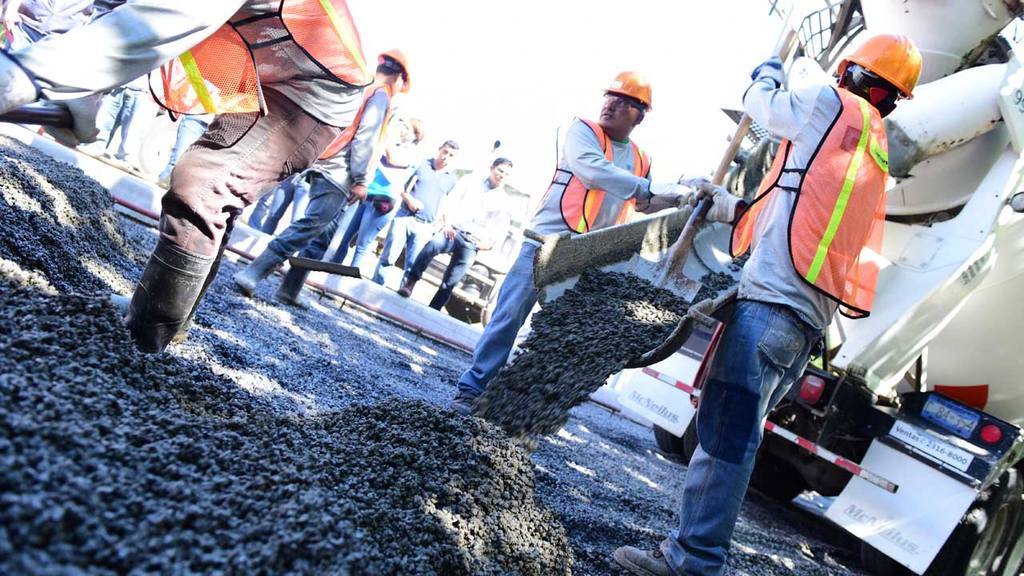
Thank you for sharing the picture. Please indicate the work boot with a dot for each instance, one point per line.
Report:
(406, 290)
(167, 291)
(264, 265)
(463, 403)
(182, 334)
(290, 291)
(643, 562)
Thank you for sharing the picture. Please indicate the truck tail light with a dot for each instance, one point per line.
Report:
(990, 434)
(811, 388)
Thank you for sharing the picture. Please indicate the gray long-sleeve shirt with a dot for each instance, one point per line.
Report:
(143, 34)
(583, 156)
(352, 163)
(802, 117)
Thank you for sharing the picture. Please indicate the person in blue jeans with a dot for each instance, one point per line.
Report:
(415, 222)
(479, 218)
(337, 181)
(594, 155)
(294, 191)
(190, 128)
(372, 215)
(813, 219)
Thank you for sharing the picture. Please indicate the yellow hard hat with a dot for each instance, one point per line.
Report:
(893, 57)
(633, 85)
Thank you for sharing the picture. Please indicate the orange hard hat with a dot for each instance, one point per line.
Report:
(633, 85)
(893, 57)
(398, 56)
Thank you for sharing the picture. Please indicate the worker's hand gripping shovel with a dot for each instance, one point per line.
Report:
(700, 314)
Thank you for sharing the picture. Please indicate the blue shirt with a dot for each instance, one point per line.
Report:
(431, 187)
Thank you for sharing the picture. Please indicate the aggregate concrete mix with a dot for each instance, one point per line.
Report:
(278, 440)
(575, 343)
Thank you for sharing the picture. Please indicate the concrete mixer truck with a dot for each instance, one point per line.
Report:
(908, 421)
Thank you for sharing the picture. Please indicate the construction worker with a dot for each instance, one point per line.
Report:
(270, 121)
(600, 178)
(813, 227)
(478, 219)
(337, 181)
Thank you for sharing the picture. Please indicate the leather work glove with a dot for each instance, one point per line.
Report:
(83, 113)
(724, 205)
(770, 70)
(664, 196)
(16, 86)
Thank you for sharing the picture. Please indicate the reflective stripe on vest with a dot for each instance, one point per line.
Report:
(835, 231)
(580, 206)
(349, 133)
(219, 74)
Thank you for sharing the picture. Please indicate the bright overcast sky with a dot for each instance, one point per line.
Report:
(515, 71)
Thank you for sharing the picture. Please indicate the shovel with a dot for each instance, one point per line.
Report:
(41, 114)
(655, 249)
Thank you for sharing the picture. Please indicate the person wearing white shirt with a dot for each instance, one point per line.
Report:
(478, 220)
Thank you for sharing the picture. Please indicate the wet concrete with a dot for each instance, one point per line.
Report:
(575, 343)
(277, 440)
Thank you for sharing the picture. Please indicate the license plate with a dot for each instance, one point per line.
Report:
(950, 416)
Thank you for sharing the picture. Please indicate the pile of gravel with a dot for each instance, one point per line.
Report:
(59, 231)
(114, 461)
(576, 342)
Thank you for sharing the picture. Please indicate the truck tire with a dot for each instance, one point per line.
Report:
(776, 479)
(989, 541)
(682, 448)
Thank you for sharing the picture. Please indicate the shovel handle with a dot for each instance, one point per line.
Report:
(42, 114)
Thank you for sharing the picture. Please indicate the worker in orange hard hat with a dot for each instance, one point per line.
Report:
(337, 182)
(811, 231)
(600, 178)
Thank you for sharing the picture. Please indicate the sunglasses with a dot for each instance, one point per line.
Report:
(879, 91)
(619, 100)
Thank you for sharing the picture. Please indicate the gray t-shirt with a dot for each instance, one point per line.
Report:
(801, 116)
(583, 157)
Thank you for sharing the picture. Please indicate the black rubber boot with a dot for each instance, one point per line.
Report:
(290, 291)
(210, 277)
(263, 266)
(167, 292)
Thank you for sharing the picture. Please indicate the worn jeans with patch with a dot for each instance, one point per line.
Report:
(764, 349)
(515, 302)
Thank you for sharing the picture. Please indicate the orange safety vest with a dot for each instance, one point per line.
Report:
(346, 136)
(219, 75)
(581, 206)
(835, 230)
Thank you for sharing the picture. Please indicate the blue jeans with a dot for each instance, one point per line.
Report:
(515, 301)
(763, 350)
(405, 231)
(190, 128)
(365, 226)
(267, 213)
(118, 110)
(326, 201)
(463, 251)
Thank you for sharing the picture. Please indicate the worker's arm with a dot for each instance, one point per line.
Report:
(587, 162)
(123, 45)
(783, 113)
(412, 204)
(363, 152)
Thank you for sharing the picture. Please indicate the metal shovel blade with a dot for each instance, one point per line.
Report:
(321, 266)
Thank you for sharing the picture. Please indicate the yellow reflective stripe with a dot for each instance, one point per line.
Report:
(880, 155)
(844, 198)
(195, 78)
(356, 54)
